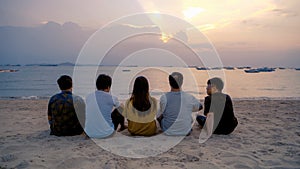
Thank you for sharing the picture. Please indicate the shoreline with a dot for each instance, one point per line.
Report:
(202, 99)
(267, 137)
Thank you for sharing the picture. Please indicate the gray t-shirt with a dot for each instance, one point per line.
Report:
(177, 108)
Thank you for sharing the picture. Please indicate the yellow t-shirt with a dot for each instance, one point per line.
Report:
(141, 123)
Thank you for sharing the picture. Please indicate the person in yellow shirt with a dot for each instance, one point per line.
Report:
(140, 109)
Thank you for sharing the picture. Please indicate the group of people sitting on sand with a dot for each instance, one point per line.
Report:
(101, 115)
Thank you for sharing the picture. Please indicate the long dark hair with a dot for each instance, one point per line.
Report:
(140, 94)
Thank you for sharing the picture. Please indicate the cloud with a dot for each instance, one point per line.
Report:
(284, 12)
(48, 43)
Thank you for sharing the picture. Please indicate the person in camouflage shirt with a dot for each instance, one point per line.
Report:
(66, 112)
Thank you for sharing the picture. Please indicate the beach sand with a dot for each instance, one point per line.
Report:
(268, 136)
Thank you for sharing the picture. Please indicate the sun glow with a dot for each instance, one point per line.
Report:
(165, 37)
(191, 12)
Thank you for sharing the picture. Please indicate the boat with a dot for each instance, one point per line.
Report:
(126, 70)
(228, 68)
(202, 68)
(297, 69)
(7, 70)
(266, 69)
(216, 68)
(252, 71)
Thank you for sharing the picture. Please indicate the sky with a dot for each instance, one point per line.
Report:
(243, 32)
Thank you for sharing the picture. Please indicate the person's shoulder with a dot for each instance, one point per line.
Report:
(207, 97)
(227, 97)
(104, 94)
(77, 98)
(185, 94)
(128, 103)
(54, 97)
(166, 93)
(163, 96)
(153, 99)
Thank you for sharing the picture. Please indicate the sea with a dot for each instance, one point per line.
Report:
(39, 82)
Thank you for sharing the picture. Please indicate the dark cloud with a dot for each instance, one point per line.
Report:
(49, 43)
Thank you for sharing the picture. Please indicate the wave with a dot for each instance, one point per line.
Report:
(24, 97)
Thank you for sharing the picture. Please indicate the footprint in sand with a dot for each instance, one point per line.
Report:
(75, 162)
(8, 157)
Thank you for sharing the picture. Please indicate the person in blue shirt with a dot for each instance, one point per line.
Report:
(102, 110)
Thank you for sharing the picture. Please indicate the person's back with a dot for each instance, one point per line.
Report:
(66, 111)
(221, 106)
(141, 123)
(99, 108)
(140, 110)
(223, 112)
(177, 107)
(177, 114)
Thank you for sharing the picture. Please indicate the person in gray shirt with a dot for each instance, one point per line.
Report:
(176, 108)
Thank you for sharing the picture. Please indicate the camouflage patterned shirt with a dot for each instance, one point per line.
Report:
(66, 114)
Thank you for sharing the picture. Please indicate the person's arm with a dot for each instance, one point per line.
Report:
(196, 104)
(162, 105)
(119, 106)
(206, 105)
(49, 113)
(80, 111)
(200, 107)
(229, 105)
(230, 112)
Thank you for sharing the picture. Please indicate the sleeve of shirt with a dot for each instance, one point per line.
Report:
(206, 105)
(80, 110)
(50, 121)
(229, 105)
(125, 108)
(116, 101)
(196, 104)
(162, 105)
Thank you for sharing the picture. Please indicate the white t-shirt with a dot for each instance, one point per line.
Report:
(177, 108)
(99, 106)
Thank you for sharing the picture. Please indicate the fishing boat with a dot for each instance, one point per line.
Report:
(252, 71)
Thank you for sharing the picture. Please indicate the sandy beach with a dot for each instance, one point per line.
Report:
(268, 136)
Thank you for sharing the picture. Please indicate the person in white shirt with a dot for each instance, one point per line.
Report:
(102, 115)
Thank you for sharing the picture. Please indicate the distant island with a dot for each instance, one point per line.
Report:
(247, 69)
(60, 64)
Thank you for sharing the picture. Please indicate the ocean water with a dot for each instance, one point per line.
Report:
(35, 82)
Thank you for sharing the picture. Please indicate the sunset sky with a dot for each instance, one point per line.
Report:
(243, 32)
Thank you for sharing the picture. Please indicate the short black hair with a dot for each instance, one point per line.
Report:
(175, 80)
(103, 82)
(218, 82)
(64, 82)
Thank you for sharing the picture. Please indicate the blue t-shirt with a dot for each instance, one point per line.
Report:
(177, 108)
(99, 106)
